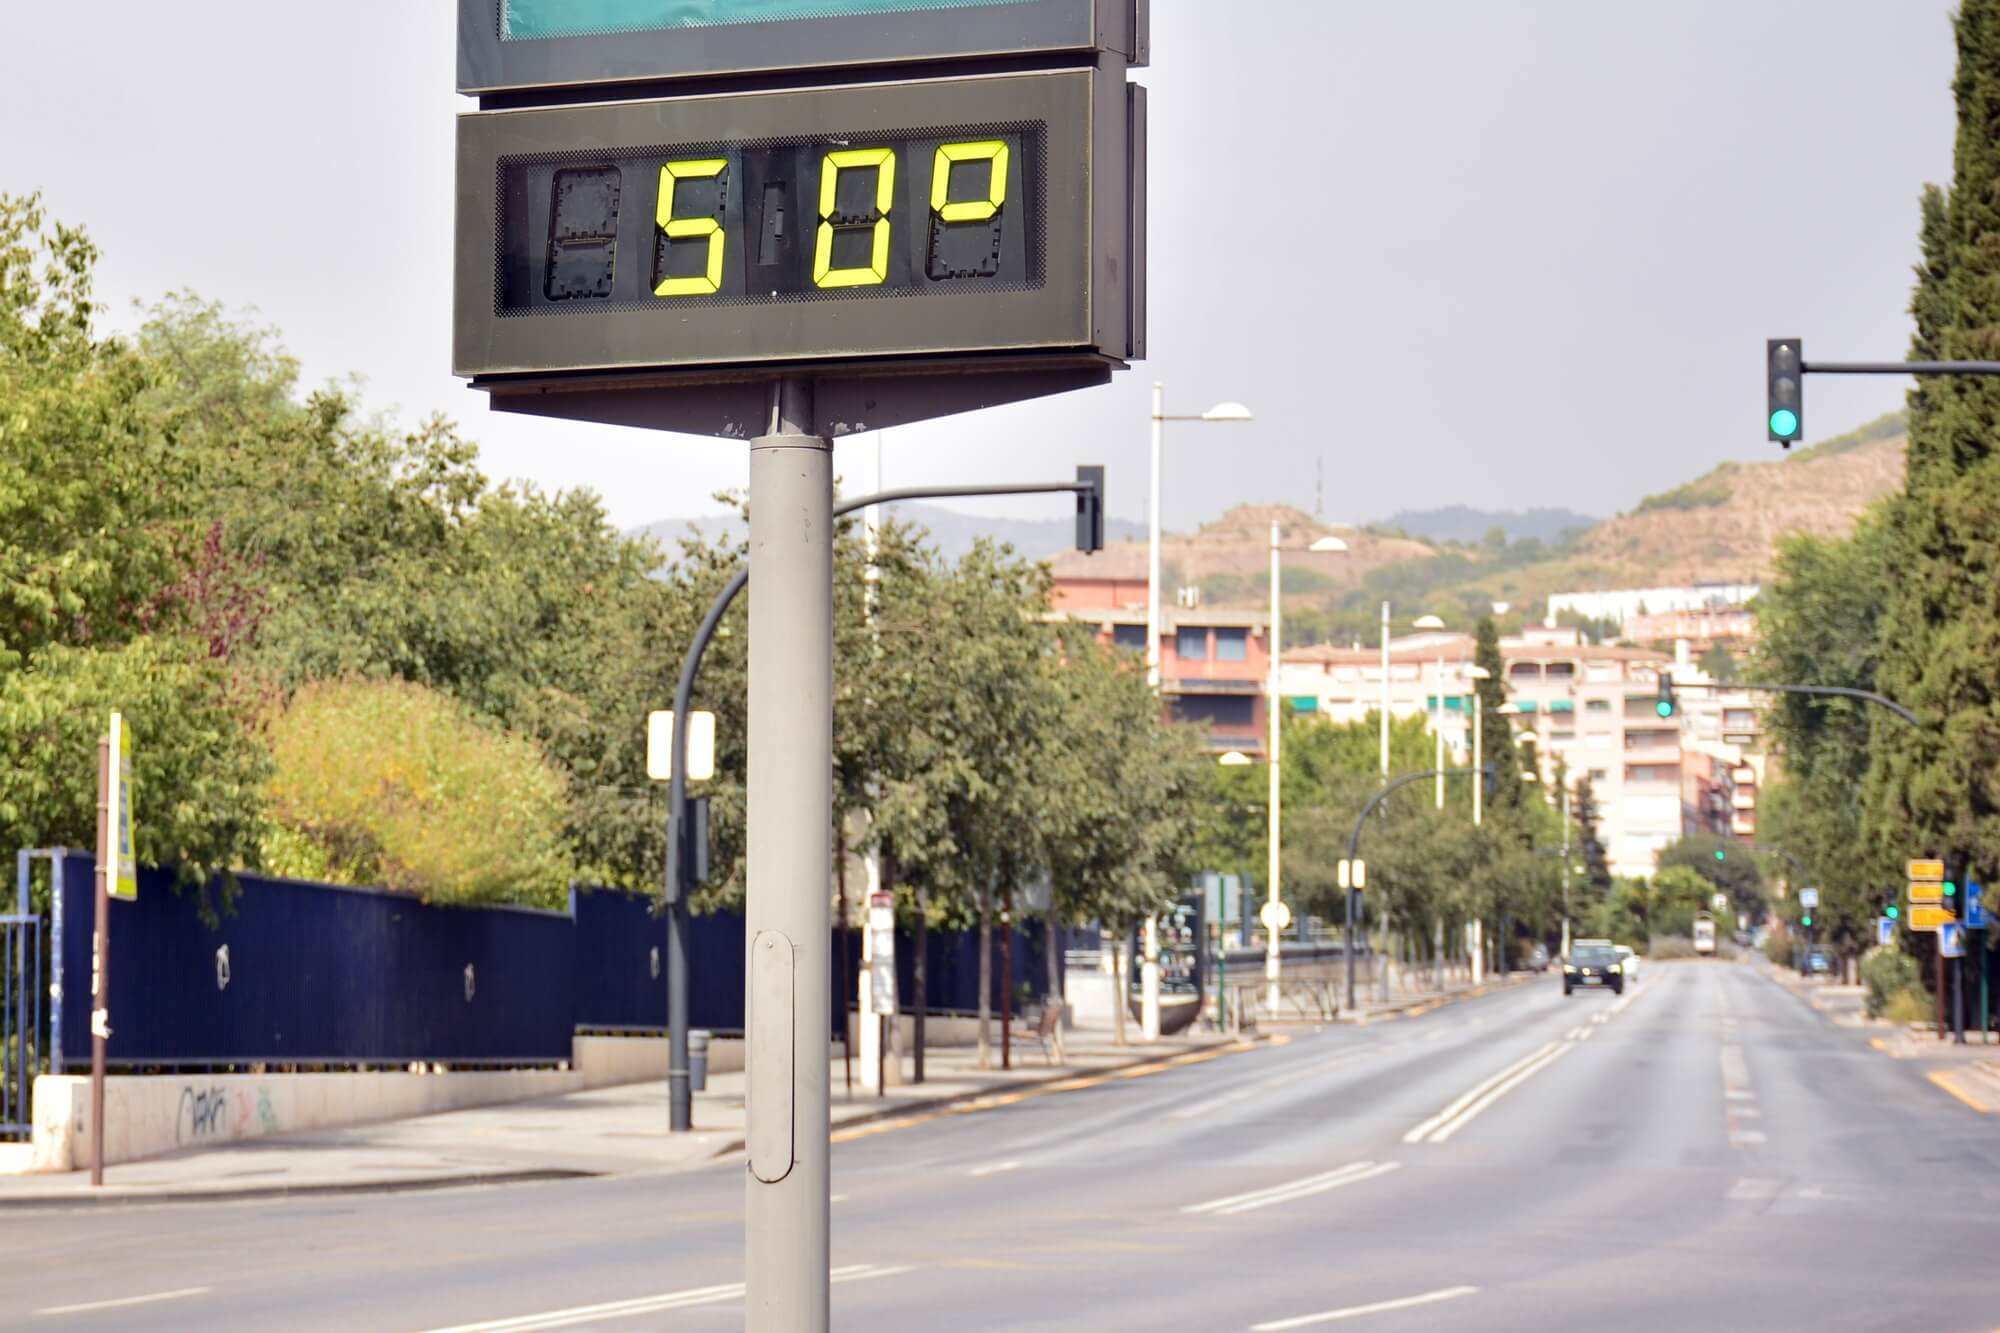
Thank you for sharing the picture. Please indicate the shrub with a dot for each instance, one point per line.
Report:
(390, 783)
(1909, 1005)
(1885, 972)
(1667, 947)
(1779, 949)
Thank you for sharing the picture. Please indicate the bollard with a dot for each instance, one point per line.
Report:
(698, 1061)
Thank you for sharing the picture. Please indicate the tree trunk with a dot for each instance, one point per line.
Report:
(920, 965)
(1118, 987)
(1052, 959)
(985, 1047)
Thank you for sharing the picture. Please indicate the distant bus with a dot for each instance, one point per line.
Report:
(1704, 934)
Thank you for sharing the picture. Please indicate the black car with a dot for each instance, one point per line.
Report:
(1593, 965)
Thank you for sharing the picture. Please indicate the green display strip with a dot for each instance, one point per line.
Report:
(527, 20)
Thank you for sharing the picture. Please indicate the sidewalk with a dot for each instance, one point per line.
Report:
(609, 1131)
(1970, 1072)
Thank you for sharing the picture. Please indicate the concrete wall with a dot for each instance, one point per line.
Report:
(150, 1114)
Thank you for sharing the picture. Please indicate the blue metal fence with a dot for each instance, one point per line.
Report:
(309, 974)
(314, 974)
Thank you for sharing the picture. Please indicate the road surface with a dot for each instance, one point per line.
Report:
(1704, 1153)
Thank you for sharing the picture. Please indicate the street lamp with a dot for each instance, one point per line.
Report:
(1437, 712)
(1477, 673)
(1224, 411)
(1274, 716)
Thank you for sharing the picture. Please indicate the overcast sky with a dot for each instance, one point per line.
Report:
(1504, 254)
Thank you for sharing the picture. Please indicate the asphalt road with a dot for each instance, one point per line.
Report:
(1704, 1154)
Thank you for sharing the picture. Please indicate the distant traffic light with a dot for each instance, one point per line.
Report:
(1721, 855)
(1665, 705)
(1784, 366)
(1892, 911)
(1950, 889)
(1806, 920)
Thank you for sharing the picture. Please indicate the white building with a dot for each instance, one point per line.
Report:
(1590, 705)
(1621, 605)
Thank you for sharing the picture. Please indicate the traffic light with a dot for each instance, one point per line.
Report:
(1892, 911)
(1721, 855)
(1784, 366)
(1950, 889)
(1090, 509)
(1665, 705)
(1806, 920)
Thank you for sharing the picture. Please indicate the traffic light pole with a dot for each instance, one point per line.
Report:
(1354, 851)
(1830, 691)
(1089, 488)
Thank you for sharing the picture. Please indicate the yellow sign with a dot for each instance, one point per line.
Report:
(1926, 893)
(1932, 871)
(121, 876)
(1930, 918)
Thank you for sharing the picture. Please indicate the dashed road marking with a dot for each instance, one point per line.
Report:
(1470, 1104)
(1355, 1311)
(1944, 1079)
(579, 1315)
(1287, 1191)
(994, 1169)
(121, 1302)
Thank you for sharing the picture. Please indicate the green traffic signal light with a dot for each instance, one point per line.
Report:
(1950, 889)
(1664, 708)
(1805, 920)
(1893, 912)
(1721, 855)
(1784, 423)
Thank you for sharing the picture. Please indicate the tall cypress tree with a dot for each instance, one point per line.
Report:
(1937, 788)
(1496, 733)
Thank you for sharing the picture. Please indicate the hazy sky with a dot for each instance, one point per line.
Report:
(1505, 254)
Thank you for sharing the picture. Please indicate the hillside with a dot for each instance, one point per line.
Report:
(1720, 527)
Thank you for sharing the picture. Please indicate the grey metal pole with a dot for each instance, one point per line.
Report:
(789, 909)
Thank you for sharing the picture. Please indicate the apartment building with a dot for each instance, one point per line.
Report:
(1215, 663)
(1589, 706)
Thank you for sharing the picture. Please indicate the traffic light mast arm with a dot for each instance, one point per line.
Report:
(1354, 838)
(1834, 691)
(1899, 367)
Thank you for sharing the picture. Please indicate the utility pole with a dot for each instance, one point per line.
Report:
(786, 1215)
(1275, 709)
(1385, 691)
(100, 956)
(1565, 857)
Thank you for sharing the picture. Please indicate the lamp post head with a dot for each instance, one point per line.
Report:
(1230, 411)
(1479, 673)
(1234, 759)
(1428, 622)
(1328, 544)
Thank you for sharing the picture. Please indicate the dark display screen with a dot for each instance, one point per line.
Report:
(833, 217)
(529, 20)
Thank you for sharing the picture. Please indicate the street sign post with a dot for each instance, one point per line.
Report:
(1926, 870)
(1808, 898)
(1975, 907)
(1885, 931)
(1926, 891)
(1951, 939)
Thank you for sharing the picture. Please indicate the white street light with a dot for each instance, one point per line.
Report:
(1428, 622)
(1224, 411)
(1328, 544)
(1475, 672)
(1235, 759)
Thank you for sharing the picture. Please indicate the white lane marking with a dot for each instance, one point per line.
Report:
(1355, 1311)
(1624, 1001)
(1603, 1016)
(1754, 1189)
(994, 1169)
(1423, 1130)
(1472, 1112)
(122, 1301)
(1306, 1191)
(1289, 1076)
(1740, 1137)
(1284, 1187)
(1744, 1112)
(1439, 1035)
(645, 1305)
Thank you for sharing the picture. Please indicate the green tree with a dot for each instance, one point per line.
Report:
(1819, 619)
(1936, 788)
(106, 600)
(1723, 864)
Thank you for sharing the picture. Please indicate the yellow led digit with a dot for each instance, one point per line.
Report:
(677, 228)
(991, 151)
(853, 159)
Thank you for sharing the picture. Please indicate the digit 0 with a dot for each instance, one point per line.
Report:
(993, 152)
(708, 282)
(831, 219)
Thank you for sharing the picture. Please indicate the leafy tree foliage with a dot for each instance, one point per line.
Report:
(1723, 864)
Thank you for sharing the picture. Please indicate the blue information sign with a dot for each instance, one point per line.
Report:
(1951, 940)
(1885, 931)
(1975, 907)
